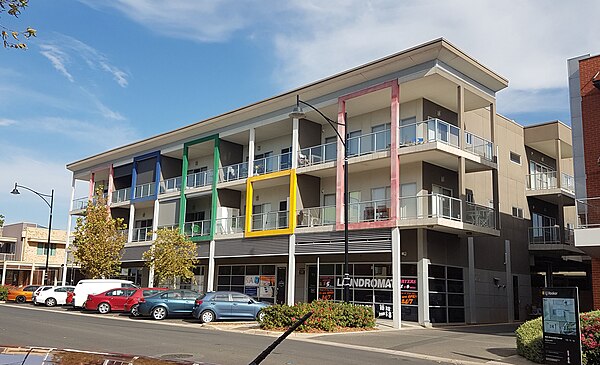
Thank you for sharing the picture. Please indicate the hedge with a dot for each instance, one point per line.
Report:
(530, 339)
(3, 292)
(327, 316)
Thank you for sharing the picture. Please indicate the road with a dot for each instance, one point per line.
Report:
(31, 326)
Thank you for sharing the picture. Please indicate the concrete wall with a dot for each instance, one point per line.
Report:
(33, 236)
(435, 175)
(168, 213)
(170, 167)
(433, 110)
(308, 191)
(146, 171)
(309, 133)
(230, 198)
(230, 153)
(274, 145)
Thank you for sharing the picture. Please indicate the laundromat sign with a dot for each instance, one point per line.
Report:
(377, 283)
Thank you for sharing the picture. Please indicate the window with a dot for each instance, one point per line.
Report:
(240, 298)
(221, 298)
(517, 212)
(469, 196)
(515, 157)
(42, 249)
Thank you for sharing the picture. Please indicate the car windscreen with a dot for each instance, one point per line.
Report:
(147, 293)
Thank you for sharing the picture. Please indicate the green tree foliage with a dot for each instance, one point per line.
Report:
(10, 37)
(1, 220)
(98, 242)
(172, 255)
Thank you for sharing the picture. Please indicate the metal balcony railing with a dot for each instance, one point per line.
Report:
(170, 185)
(431, 130)
(542, 181)
(369, 211)
(7, 257)
(142, 234)
(233, 172)
(315, 216)
(274, 163)
(588, 212)
(549, 235)
(479, 215)
(144, 190)
(121, 195)
(231, 225)
(430, 206)
(479, 146)
(81, 203)
(567, 182)
(317, 154)
(199, 179)
(197, 228)
(369, 143)
(269, 220)
(170, 226)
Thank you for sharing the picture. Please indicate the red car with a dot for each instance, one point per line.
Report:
(132, 303)
(110, 300)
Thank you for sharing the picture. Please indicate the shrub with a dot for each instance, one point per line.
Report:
(327, 316)
(3, 292)
(530, 340)
(590, 336)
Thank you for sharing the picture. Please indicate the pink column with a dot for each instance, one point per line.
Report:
(395, 167)
(91, 192)
(339, 192)
(111, 184)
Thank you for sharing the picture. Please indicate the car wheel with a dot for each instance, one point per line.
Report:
(260, 315)
(135, 310)
(207, 316)
(20, 299)
(50, 302)
(103, 308)
(159, 313)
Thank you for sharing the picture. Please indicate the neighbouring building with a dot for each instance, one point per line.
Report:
(451, 205)
(23, 249)
(584, 91)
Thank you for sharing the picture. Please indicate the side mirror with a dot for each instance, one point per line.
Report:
(250, 301)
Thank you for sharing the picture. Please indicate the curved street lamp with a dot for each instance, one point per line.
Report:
(50, 204)
(298, 113)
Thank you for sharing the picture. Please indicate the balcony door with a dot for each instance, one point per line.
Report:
(380, 139)
(408, 200)
(544, 228)
(541, 176)
(329, 210)
(440, 201)
(260, 217)
(353, 142)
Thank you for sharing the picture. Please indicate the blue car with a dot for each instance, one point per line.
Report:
(171, 302)
(218, 305)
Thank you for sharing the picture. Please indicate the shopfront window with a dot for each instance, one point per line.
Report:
(256, 281)
(446, 294)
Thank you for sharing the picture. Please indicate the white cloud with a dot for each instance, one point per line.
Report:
(7, 122)
(66, 49)
(58, 58)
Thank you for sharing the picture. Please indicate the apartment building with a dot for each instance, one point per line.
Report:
(440, 192)
(584, 92)
(23, 249)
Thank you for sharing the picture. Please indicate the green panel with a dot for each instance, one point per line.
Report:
(182, 199)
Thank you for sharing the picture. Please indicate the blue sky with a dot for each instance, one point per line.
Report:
(104, 73)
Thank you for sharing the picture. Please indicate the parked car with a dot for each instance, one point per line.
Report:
(39, 290)
(132, 303)
(170, 302)
(95, 286)
(22, 294)
(219, 305)
(54, 296)
(70, 297)
(110, 300)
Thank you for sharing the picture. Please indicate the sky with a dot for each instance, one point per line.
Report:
(104, 73)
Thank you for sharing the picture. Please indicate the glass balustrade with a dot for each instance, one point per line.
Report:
(170, 185)
(430, 206)
(369, 211)
(542, 181)
(567, 182)
(274, 163)
(317, 154)
(197, 228)
(479, 146)
(315, 216)
(231, 225)
(121, 195)
(199, 179)
(269, 220)
(430, 130)
(81, 203)
(369, 143)
(144, 190)
(142, 234)
(233, 172)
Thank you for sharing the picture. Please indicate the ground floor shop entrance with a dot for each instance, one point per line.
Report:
(267, 283)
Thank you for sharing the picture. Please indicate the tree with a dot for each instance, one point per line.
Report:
(172, 255)
(1, 221)
(10, 37)
(98, 241)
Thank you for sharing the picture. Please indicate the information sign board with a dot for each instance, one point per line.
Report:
(560, 317)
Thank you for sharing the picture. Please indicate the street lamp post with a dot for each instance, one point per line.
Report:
(50, 205)
(298, 113)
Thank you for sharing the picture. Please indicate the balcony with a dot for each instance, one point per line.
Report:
(317, 155)
(269, 221)
(174, 227)
(170, 185)
(369, 143)
(315, 217)
(544, 185)
(142, 234)
(233, 172)
(197, 228)
(144, 190)
(369, 211)
(431, 130)
(479, 146)
(587, 232)
(121, 195)
(231, 225)
(81, 203)
(550, 236)
(7, 256)
(274, 163)
(199, 179)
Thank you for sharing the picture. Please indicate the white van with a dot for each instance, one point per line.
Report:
(96, 286)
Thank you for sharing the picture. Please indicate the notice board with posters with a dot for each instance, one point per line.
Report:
(560, 317)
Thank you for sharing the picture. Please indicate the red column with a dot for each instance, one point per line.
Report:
(395, 167)
(91, 192)
(339, 191)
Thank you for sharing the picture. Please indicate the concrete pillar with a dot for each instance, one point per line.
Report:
(111, 184)
(251, 140)
(496, 198)
(210, 280)
(509, 282)
(423, 278)
(68, 241)
(493, 122)
(472, 285)
(131, 223)
(558, 160)
(155, 219)
(91, 191)
(461, 185)
(396, 274)
(549, 276)
(32, 271)
(151, 276)
(460, 111)
(295, 143)
(4, 273)
(291, 270)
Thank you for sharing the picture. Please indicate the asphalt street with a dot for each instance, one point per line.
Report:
(26, 325)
